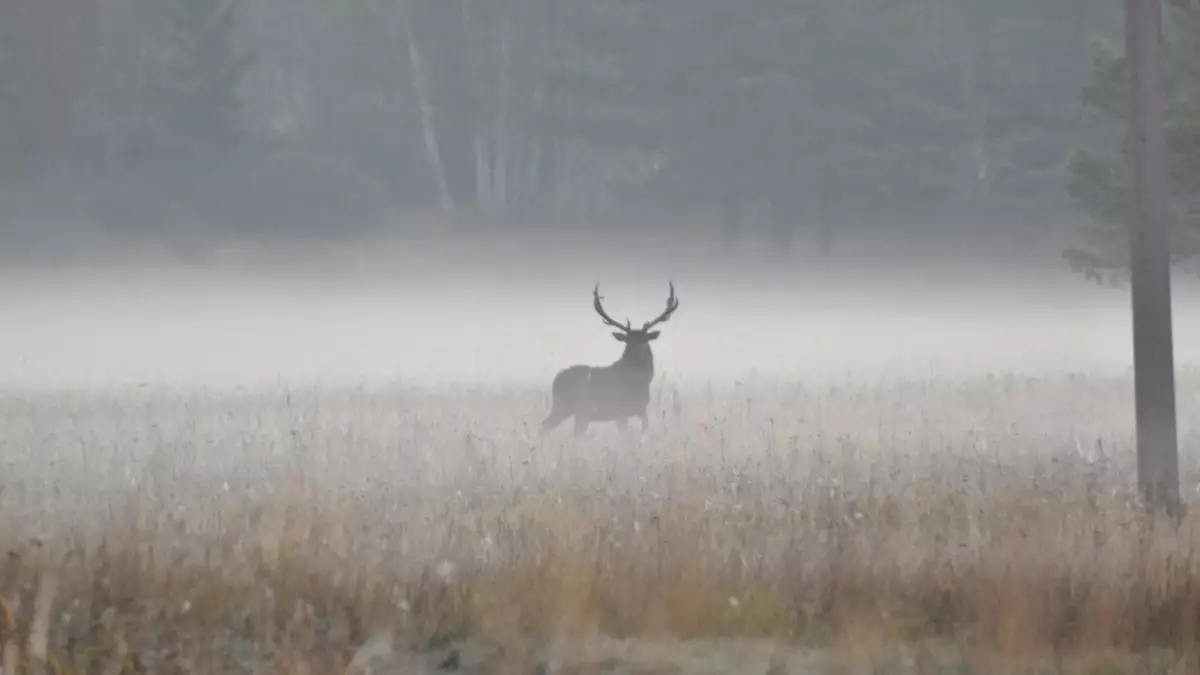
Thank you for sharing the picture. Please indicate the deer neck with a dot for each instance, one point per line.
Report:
(636, 362)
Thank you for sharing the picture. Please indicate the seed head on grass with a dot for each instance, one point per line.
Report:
(959, 521)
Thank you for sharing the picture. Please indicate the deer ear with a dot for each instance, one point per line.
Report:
(621, 337)
(652, 335)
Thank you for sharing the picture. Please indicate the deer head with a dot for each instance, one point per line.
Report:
(637, 340)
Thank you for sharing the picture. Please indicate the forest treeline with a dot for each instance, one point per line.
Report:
(778, 119)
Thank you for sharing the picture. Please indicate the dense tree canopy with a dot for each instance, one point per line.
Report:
(810, 111)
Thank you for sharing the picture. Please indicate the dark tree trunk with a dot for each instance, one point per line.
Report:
(421, 86)
(783, 229)
(547, 170)
(1154, 370)
(731, 223)
(824, 234)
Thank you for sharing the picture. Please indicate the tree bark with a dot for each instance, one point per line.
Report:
(475, 32)
(483, 174)
(548, 172)
(502, 128)
(420, 85)
(731, 223)
(1154, 371)
(783, 228)
(824, 234)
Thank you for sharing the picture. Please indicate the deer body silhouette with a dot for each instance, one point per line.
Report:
(612, 393)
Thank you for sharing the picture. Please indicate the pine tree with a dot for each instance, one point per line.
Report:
(822, 110)
(1100, 184)
(203, 73)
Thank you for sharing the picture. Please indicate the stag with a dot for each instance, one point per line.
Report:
(615, 392)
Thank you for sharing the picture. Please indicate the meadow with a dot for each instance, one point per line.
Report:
(899, 475)
(926, 526)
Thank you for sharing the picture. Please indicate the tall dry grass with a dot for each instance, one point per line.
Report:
(934, 526)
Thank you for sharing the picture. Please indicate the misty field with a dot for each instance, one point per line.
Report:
(927, 525)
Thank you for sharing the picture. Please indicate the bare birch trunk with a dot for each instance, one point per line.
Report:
(483, 174)
(977, 142)
(501, 132)
(731, 223)
(482, 142)
(428, 130)
(521, 177)
(285, 70)
(531, 156)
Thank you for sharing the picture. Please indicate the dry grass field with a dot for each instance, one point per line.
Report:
(926, 526)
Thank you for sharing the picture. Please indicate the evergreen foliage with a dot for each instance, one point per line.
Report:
(204, 72)
(1100, 182)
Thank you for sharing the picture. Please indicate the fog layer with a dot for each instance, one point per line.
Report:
(216, 330)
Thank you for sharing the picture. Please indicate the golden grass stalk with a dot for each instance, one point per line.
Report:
(1004, 534)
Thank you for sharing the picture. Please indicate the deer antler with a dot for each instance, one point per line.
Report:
(672, 305)
(628, 327)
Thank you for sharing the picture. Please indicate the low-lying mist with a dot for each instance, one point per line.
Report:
(219, 329)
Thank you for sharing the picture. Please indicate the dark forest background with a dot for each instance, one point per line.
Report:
(789, 124)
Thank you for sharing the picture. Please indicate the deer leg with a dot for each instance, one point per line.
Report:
(581, 425)
(645, 420)
(556, 418)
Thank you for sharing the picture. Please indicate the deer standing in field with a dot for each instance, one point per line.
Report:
(615, 392)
